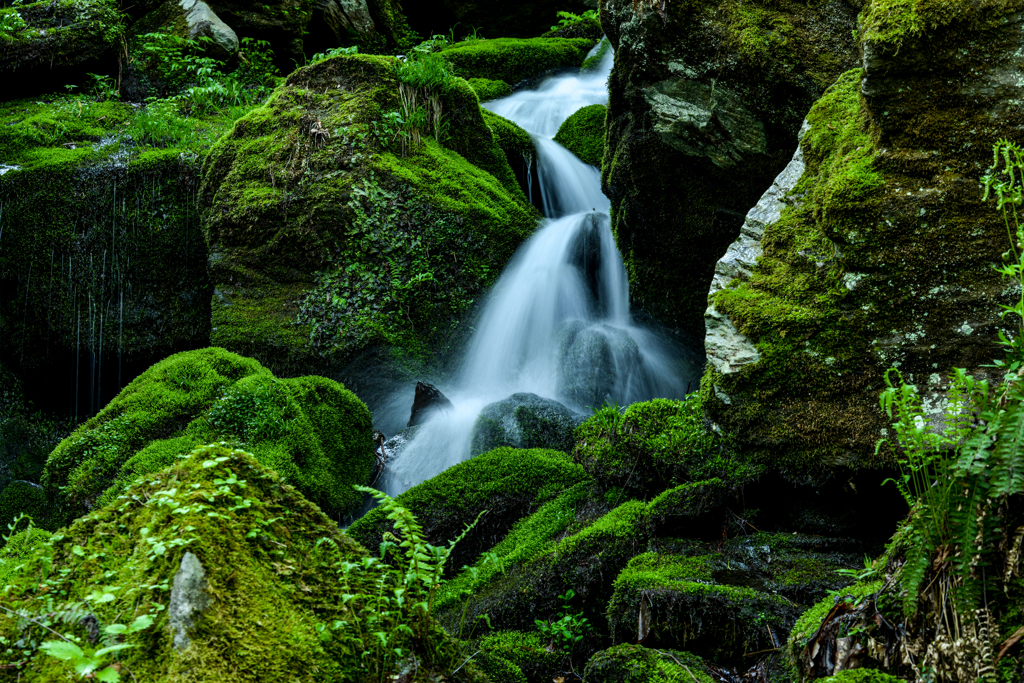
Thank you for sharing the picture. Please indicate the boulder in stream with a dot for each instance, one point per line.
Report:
(524, 421)
(583, 134)
(428, 401)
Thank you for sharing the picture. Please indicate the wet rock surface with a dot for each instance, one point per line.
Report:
(524, 421)
(428, 400)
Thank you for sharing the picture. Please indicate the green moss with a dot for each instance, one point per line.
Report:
(22, 497)
(893, 21)
(810, 621)
(628, 663)
(513, 60)
(518, 651)
(310, 430)
(583, 133)
(861, 676)
(654, 446)
(486, 89)
(654, 570)
(267, 554)
(759, 33)
(508, 483)
(20, 548)
(316, 217)
(584, 27)
(59, 34)
(510, 137)
(591, 62)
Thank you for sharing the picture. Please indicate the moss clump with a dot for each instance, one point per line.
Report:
(486, 89)
(513, 60)
(810, 621)
(584, 27)
(638, 664)
(312, 431)
(314, 216)
(267, 553)
(654, 446)
(57, 34)
(583, 133)
(861, 676)
(518, 651)
(508, 483)
(515, 142)
(22, 497)
(19, 549)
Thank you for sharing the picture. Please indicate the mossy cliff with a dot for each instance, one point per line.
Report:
(881, 255)
(103, 253)
(706, 98)
(326, 240)
(310, 430)
(241, 577)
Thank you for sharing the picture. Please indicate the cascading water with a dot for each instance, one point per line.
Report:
(557, 323)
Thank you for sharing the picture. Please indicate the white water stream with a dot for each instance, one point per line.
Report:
(557, 323)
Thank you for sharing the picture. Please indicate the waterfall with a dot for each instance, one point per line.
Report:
(557, 323)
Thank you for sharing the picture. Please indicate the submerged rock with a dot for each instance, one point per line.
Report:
(524, 421)
(878, 255)
(705, 102)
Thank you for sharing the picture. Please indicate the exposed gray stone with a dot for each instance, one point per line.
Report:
(188, 599)
(347, 15)
(203, 22)
(726, 347)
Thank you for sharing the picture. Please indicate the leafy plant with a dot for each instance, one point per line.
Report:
(424, 76)
(97, 663)
(568, 18)
(568, 629)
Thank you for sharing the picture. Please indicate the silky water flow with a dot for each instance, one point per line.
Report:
(557, 323)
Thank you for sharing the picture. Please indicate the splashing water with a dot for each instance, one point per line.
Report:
(557, 323)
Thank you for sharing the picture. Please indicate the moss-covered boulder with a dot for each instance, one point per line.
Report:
(878, 252)
(328, 237)
(215, 570)
(311, 430)
(104, 263)
(524, 421)
(513, 60)
(584, 27)
(706, 99)
(508, 483)
(583, 134)
(861, 676)
(638, 664)
(654, 446)
(42, 43)
(487, 89)
(726, 599)
(517, 145)
(491, 19)
(518, 657)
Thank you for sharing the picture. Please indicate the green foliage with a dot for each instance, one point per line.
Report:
(567, 629)
(629, 663)
(11, 23)
(332, 52)
(568, 18)
(93, 662)
(861, 676)
(583, 133)
(759, 33)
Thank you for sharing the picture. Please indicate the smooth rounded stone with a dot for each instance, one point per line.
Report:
(524, 421)
(203, 22)
(595, 363)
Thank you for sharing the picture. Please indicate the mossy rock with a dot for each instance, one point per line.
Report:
(638, 664)
(720, 600)
(655, 445)
(584, 27)
(519, 657)
(583, 134)
(524, 421)
(264, 552)
(513, 60)
(591, 62)
(20, 548)
(55, 36)
(22, 497)
(706, 100)
(915, 265)
(298, 221)
(311, 430)
(508, 483)
(861, 676)
(116, 233)
(486, 89)
(573, 542)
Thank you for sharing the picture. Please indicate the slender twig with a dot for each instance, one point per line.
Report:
(466, 662)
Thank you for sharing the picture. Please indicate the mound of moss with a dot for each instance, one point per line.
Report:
(330, 235)
(583, 133)
(654, 446)
(518, 657)
(38, 37)
(486, 89)
(234, 575)
(513, 60)
(638, 664)
(509, 484)
(854, 272)
(311, 430)
(861, 676)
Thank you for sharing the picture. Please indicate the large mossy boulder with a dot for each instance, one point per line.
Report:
(583, 134)
(103, 255)
(874, 250)
(638, 664)
(706, 99)
(239, 576)
(524, 421)
(42, 43)
(509, 484)
(513, 60)
(329, 236)
(310, 430)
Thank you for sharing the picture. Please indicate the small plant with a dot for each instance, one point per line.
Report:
(568, 629)
(568, 18)
(97, 663)
(609, 416)
(12, 22)
(103, 87)
(333, 52)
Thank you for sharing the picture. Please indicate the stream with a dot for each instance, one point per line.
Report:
(557, 323)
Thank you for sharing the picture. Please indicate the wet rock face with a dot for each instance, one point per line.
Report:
(428, 400)
(879, 255)
(524, 421)
(705, 103)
